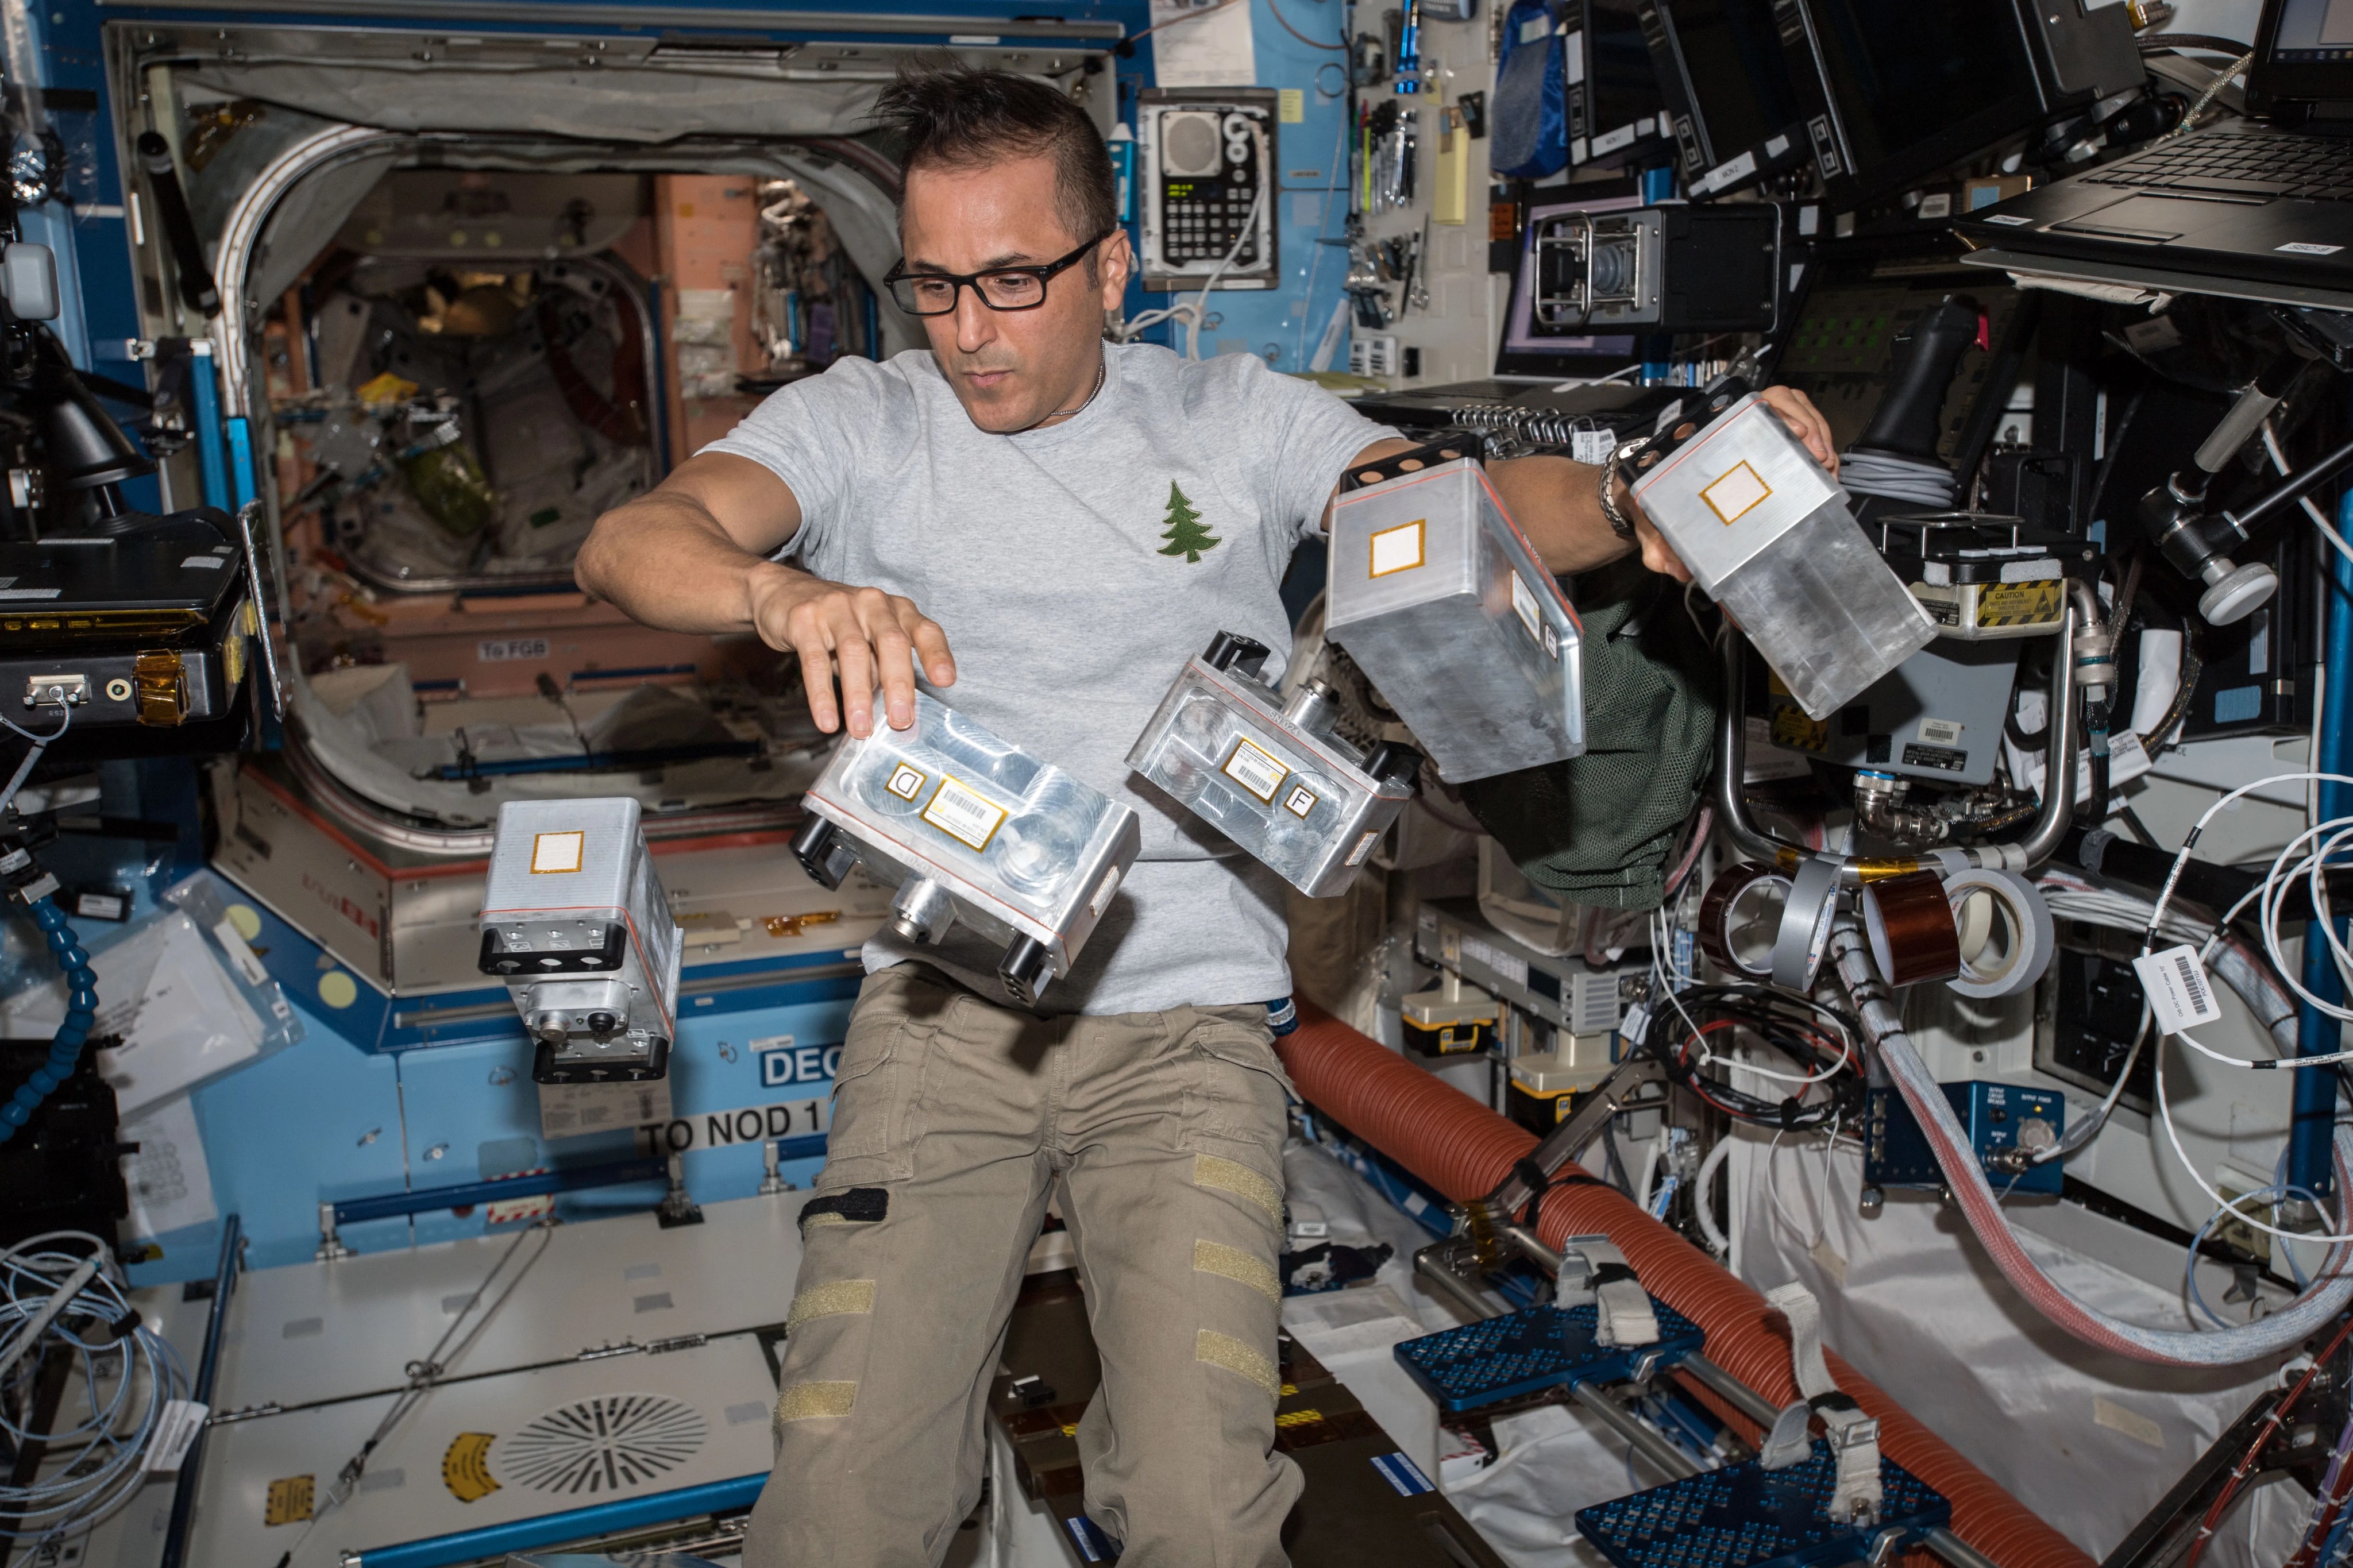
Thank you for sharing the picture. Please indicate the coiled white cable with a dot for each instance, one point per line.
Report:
(128, 1375)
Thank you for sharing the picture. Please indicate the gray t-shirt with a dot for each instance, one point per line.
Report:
(1075, 568)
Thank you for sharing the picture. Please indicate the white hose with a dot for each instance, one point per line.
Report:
(1650, 1168)
(1704, 1197)
(2277, 1334)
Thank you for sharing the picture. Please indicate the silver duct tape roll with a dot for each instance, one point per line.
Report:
(2006, 938)
(1806, 925)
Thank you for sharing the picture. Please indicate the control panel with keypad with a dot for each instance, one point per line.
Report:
(1208, 187)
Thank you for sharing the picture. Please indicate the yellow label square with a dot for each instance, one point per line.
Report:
(557, 851)
(1737, 493)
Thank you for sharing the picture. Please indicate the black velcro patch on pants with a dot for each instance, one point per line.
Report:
(862, 1204)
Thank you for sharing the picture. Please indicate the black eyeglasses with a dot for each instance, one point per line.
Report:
(1001, 289)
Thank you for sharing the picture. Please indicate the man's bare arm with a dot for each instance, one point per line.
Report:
(690, 557)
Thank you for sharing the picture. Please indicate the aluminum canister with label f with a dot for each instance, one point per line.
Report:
(1272, 775)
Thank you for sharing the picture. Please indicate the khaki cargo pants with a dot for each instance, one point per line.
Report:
(953, 1118)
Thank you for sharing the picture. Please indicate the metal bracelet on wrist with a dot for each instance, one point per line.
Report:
(1619, 524)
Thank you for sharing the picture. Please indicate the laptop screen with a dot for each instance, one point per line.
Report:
(2304, 52)
(2313, 30)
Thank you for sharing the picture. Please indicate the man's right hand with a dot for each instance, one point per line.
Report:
(865, 636)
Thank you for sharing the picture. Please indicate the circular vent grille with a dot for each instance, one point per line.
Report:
(1189, 144)
(604, 1445)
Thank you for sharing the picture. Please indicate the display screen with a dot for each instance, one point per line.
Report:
(1905, 74)
(1740, 76)
(2314, 30)
(1625, 84)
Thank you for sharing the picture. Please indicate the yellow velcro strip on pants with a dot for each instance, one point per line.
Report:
(834, 1300)
(1210, 1257)
(807, 1400)
(824, 1217)
(1225, 1351)
(1230, 1176)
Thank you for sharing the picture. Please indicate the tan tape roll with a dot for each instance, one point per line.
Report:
(1743, 900)
(1911, 926)
(2005, 932)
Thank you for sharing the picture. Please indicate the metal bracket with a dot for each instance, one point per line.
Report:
(1612, 1095)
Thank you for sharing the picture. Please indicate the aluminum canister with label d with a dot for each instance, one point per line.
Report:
(969, 828)
(1272, 775)
(1443, 604)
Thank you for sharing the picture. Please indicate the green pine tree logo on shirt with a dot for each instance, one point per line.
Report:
(1184, 534)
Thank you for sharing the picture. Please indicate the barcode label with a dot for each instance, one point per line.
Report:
(1591, 445)
(963, 813)
(2178, 993)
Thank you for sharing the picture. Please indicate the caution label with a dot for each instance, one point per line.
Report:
(466, 1467)
(1792, 729)
(290, 1500)
(2021, 604)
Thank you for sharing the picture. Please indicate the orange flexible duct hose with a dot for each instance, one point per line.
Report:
(1465, 1151)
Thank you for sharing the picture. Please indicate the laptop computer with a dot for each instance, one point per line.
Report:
(2260, 209)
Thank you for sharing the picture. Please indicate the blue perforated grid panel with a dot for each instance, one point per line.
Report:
(1745, 1517)
(1530, 1350)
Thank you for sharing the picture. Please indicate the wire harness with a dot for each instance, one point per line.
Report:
(62, 1297)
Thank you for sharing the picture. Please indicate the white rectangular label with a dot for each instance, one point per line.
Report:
(1610, 140)
(1299, 801)
(1524, 604)
(963, 813)
(2178, 990)
(556, 853)
(1723, 175)
(1940, 733)
(1256, 770)
(1572, 56)
(1103, 891)
(1364, 847)
(1591, 445)
(2307, 247)
(210, 562)
(500, 650)
(31, 593)
(1937, 206)
(240, 953)
(1535, 27)
(175, 1429)
(1396, 548)
(2009, 220)
(1510, 966)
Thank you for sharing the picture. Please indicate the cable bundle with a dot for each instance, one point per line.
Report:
(58, 1301)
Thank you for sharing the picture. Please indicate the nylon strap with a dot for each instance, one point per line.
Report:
(1592, 1268)
(1853, 1436)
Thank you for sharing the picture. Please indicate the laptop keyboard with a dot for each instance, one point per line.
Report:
(2221, 165)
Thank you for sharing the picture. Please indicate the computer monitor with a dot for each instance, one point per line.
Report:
(1527, 348)
(1616, 116)
(1892, 91)
(2303, 53)
(1725, 79)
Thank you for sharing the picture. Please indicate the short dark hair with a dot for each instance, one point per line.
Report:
(954, 117)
